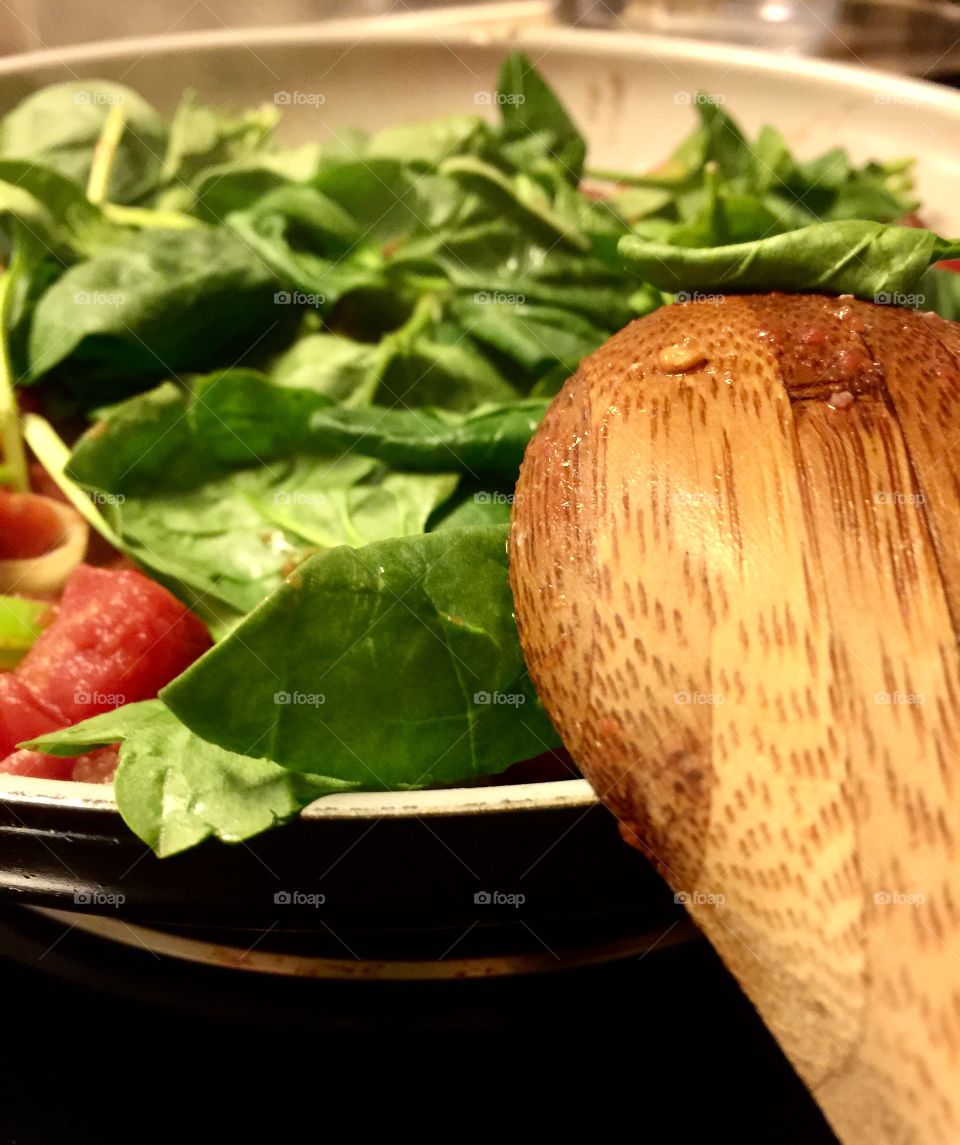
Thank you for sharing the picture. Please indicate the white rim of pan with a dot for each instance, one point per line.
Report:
(166, 944)
(552, 794)
(525, 23)
(521, 23)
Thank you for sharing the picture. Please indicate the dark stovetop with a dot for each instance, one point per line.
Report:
(663, 1047)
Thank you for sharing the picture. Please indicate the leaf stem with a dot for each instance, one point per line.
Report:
(53, 455)
(104, 154)
(147, 217)
(14, 454)
(629, 178)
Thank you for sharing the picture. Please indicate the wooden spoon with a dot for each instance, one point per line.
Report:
(735, 555)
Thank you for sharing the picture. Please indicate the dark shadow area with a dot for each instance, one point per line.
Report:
(664, 1048)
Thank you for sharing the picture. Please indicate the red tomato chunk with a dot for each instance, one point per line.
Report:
(118, 638)
(29, 526)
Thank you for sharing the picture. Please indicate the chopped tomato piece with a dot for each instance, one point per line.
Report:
(22, 716)
(93, 767)
(37, 764)
(96, 766)
(119, 637)
(29, 526)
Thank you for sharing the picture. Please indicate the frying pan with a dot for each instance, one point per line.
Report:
(470, 881)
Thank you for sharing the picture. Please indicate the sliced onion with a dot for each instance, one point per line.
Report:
(44, 574)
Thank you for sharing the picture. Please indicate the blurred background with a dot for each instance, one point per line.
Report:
(918, 37)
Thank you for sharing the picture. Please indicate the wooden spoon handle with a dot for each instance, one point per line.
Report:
(737, 586)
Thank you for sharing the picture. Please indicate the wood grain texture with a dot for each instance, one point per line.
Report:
(735, 556)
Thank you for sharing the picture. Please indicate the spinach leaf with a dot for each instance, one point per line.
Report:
(338, 234)
(395, 664)
(311, 220)
(514, 270)
(235, 186)
(329, 364)
(388, 199)
(156, 303)
(189, 496)
(939, 291)
(869, 198)
(721, 211)
(473, 507)
(133, 442)
(726, 145)
(306, 240)
(830, 187)
(428, 361)
(428, 144)
(174, 789)
(425, 371)
(220, 536)
(535, 124)
(535, 337)
(56, 210)
(519, 195)
(490, 439)
(241, 417)
(862, 258)
(752, 180)
(201, 136)
(636, 203)
(397, 505)
(507, 249)
(36, 223)
(59, 126)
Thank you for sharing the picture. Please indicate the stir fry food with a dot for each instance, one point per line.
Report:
(263, 409)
